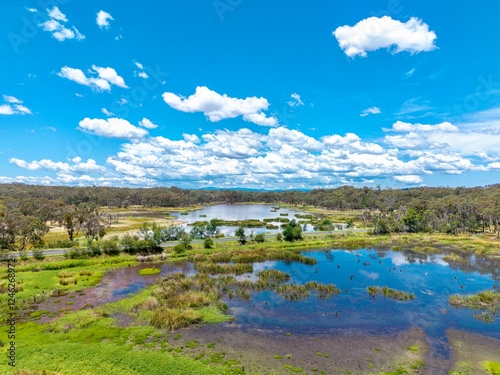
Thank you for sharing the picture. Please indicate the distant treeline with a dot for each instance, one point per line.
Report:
(342, 198)
(26, 209)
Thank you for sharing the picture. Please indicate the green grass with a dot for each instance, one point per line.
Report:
(488, 301)
(98, 347)
(149, 271)
(492, 367)
(294, 369)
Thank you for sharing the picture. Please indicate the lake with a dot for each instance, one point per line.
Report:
(240, 212)
(429, 277)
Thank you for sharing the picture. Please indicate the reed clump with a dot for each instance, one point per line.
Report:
(390, 293)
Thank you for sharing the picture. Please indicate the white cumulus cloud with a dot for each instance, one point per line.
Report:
(103, 19)
(218, 107)
(374, 33)
(146, 123)
(409, 179)
(370, 111)
(296, 101)
(55, 25)
(405, 127)
(13, 106)
(111, 128)
(105, 77)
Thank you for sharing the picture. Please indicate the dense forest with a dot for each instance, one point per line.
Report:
(25, 210)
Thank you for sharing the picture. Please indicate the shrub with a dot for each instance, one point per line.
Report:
(110, 247)
(93, 249)
(208, 243)
(23, 255)
(76, 253)
(38, 254)
(128, 243)
(260, 237)
(179, 249)
(68, 281)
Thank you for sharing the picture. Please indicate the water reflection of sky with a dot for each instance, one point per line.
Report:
(429, 277)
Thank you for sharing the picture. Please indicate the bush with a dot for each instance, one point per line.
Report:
(93, 249)
(292, 231)
(38, 254)
(77, 253)
(208, 243)
(128, 243)
(179, 249)
(110, 247)
(260, 238)
(23, 255)
(279, 236)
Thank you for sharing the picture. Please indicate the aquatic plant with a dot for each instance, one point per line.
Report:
(323, 290)
(292, 291)
(390, 293)
(487, 300)
(215, 268)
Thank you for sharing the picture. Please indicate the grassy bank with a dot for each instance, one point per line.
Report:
(132, 336)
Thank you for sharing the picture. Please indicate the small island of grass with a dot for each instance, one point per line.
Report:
(487, 300)
(149, 271)
(390, 293)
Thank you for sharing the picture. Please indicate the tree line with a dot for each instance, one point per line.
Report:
(26, 211)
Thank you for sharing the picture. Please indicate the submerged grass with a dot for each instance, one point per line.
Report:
(390, 293)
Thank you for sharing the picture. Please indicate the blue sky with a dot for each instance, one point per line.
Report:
(254, 94)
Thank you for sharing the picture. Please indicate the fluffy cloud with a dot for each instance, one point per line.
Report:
(296, 101)
(218, 107)
(446, 137)
(140, 73)
(277, 158)
(55, 25)
(374, 33)
(105, 77)
(409, 180)
(13, 106)
(110, 75)
(78, 166)
(370, 111)
(146, 123)
(405, 127)
(103, 19)
(111, 128)
(11, 99)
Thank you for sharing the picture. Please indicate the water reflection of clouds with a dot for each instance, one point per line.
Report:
(257, 267)
(439, 260)
(369, 275)
(398, 259)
